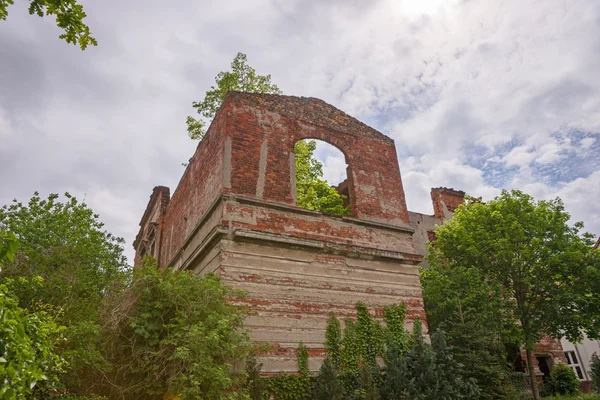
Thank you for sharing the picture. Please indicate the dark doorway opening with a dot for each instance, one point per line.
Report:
(545, 365)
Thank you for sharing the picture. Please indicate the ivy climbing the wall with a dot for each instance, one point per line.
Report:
(412, 369)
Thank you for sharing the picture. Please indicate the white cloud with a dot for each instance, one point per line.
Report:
(586, 143)
(520, 156)
(462, 87)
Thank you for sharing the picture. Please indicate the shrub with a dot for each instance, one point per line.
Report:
(327, 384)
(172, 332)
(28, 362)
(562, 381)
(255, 385)
(595, 373)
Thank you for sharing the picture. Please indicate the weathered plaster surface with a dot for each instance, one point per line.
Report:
(233, 213)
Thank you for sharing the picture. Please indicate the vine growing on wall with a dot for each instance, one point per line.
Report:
(292, 386)
(333, 337)
(394, 320)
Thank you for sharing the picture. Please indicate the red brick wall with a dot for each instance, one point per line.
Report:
(273, 124)
(445, 199)
(200, 185)
(248, 150)
(154, 214)
(339, 232)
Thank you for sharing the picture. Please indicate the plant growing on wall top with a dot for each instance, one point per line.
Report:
(242, 77)
(312, 191)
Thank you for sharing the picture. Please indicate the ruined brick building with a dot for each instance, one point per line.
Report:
(234, 213)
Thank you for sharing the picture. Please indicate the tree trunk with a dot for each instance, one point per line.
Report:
(534, 387)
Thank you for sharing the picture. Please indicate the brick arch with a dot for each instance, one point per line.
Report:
(334, 141)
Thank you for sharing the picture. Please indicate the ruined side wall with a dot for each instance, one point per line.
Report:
(147, 241)
(298, 266)
(263, 133)
(444, 201)
(198, 189)
(424, 226)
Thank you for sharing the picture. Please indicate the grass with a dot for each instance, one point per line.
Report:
(578, 397)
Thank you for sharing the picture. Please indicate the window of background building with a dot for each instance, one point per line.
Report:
(573, 362)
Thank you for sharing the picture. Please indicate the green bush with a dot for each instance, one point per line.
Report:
(327, 384)
(29, 365)
(172, 332)
(427, 372)
(562, 381)
(595, 373)
(577, 397)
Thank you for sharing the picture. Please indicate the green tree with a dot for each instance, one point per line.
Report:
(69, 17)
(429, 372)
(172, 332)
(529, 254)
(29, 364)
(312, 191)
(450, 291)
(595, 372)
(327, 385)
(255, 385)
(8, 247)
(368, 386)
(65, 263)
(459, 301)
(473, 346)
(242, 77)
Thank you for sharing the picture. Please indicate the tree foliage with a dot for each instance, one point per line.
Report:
(242, 77)
(459, 301)
(312, 191)
(172, 332)
(28, 362)
(327, 384)
(595, 373)
(8, 247)
(536, 269)
(255, 385)
(562, 381)
(473, 345)
(427, 372)
(65, 263)
(69, 18)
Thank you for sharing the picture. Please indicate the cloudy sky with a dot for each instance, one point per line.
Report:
(478, 95)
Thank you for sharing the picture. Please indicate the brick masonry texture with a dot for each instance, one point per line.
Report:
(233, 213)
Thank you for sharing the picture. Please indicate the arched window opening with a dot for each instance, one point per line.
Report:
(321, 182)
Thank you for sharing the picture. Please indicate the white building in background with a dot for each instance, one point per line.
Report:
(579, 356)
